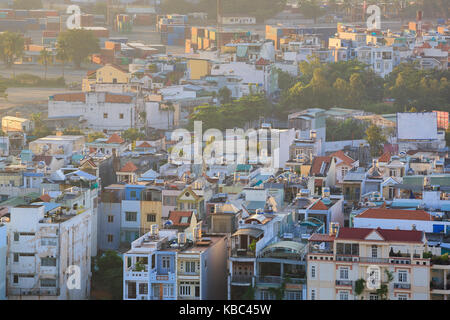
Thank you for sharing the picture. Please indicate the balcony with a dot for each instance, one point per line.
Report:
(406, 286)
(33, 292)
(439, 286)
(241, 279)
(242, 253)
(374, 260)
(347, 258)
(277, 280)
(156, 277)
(133, 273)
(348, 283)
(400, 261)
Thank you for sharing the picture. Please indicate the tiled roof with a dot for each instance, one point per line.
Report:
(319, 205)
(175, 217)
(45, 198)
(386, 234)
(386, 157)
(128, 167)
(397, 214)
(262, 62)
(118, 98)
(345, 158)
(317, 164)
(46, 159)
(70, 97)
(115, 138)
(144, 144)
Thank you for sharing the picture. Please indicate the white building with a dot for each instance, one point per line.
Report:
(3, 247)
(59, 146)
(379, 58)
(100, 111)
(49, 253)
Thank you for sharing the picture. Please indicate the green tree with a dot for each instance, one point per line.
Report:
(45, 58)
(311, 9)
(447, 137)
(80, 44)
(95, 135)
(62, 53)
(132, 134)
(11, 48)
(359, 287)
(376, 139)
(108, 274)
(40, 129)
(224, 95)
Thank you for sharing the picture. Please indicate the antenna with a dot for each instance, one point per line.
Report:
(219, 25)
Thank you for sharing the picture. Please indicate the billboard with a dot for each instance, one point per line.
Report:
(417, 126)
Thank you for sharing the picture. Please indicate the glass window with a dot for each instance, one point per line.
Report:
(130, 216)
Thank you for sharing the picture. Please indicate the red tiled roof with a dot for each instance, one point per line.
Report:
(322, 237)
(317, 164)
(318, 183)
(386, 234)
(319, 205)
(386, 157)
(262, 62)
(397, 214)
(175, 217)
(128, 167)
(144, 144)
(115, 138)
(345, 158)
(45, 198)
(70, 97)
(118, 98)
(46, 159)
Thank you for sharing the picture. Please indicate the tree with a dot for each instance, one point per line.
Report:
(359, 287)
(80, 44)
(447, 137)
(224, 95)
(108, 273)
(40, 129)
(11, 47)
(376, 139)
(72, 131)
(62, 53)
(132, 134)
(95, 135)
(45, 58)
(311, 9)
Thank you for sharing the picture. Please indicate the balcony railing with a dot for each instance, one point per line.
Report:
(402, 286)
(242, 253)
(278, 280)
(400, 260)
(373, 260)
(323, 251)
(347, 258)
(439, 286)
(33, 292)
(241, 279)
(344, 283)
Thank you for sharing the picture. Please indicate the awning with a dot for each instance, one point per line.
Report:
(255, 233)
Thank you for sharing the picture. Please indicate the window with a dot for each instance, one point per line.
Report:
(402, 276)
(197, 291)
(374, 252)
(190, 266)
(343, 295)
(105, 116)
(48, 262)
(130, 216)
(110, 238)
(185, 289)
(48, 282)
(293, 295)
(16, 236)
(373, 296)
(343, 273)
(344, 172)
(143, 288)
(313, 271)
(168, 290)
(402, 297)
(266, 295)
(165, 262)
(16, 257)
(110, 219)
(133, 194)
(313, 294)
(48, 242)
(120, 115)
(151, 217)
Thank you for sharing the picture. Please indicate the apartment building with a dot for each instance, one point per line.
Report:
(109, 217)
(338, 261)
(165, 265)
(379, 58)
(99, 111)
(49, 252)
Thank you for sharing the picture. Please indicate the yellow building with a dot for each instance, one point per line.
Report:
(198, 68)
(190, 200)
(108, 74)
(151, 209)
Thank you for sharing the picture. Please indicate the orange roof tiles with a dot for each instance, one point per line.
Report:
(118, 98)
(317, 164)
(319, 205)
(144, 144)
(345, 158)
(115, 138)
(386, 157)
(397, 214)
(70, 97)
(128, 167)
(322, 237)
(175, 217)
